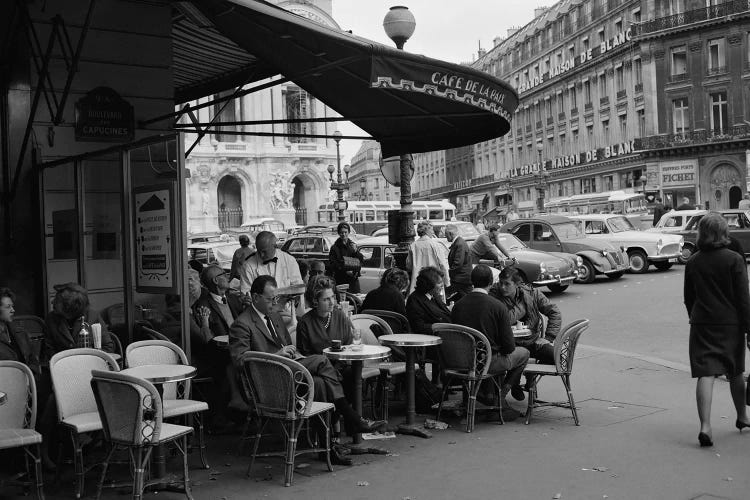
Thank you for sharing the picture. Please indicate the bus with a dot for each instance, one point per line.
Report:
(632, 205)
(368, 216)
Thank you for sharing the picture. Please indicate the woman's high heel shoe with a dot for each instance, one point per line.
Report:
(705, 440)
(741, 425)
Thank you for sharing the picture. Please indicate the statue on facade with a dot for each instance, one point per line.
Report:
(282, 190)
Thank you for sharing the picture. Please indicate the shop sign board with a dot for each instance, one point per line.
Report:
(678, 173)
(154, 243)
(590, 156)
(103, 116)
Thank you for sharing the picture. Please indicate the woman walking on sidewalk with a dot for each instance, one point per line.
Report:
(718, 305)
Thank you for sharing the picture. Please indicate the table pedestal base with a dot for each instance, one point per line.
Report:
(413, 430)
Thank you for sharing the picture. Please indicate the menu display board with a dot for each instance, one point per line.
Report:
(154, 244)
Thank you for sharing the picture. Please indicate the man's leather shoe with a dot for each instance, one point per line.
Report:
(517, 392)
(365, 425)
(337, 458)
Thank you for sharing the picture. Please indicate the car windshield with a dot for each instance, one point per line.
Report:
(508, 243)
(620, 224)
(568, 231)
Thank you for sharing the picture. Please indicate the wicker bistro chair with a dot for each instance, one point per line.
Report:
(384, 370)
(282, 389)
(465, 354)
(18, 417)
(176, 395)
(132, 415)
(565, 349)
(76, 406)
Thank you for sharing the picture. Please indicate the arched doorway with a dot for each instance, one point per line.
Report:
(229, 198)
(725, 182)
(303, 200)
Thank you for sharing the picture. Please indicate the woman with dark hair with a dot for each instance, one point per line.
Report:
(324, 322)
(70, 305)
(425, 305)
(718, 305)
(389, 296)
(345, 270)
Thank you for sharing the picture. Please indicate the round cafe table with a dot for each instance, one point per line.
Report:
(3, 398)
(159, 375)
(411, 341)
(357, 358)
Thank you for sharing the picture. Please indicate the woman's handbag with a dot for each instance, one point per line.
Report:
(352, 264)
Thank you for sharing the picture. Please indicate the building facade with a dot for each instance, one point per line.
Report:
(634, 95)
(237, 178)
(365, 180)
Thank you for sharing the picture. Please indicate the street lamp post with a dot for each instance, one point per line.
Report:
(399, 25)
(339, 186)
(541, 178)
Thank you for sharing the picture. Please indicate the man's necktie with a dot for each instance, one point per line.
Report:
(223, 300)
(272, 331)
(274, 260)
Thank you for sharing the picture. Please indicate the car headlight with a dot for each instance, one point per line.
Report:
(682, 242)
(659, 246)
(542, 268)
(604, 253)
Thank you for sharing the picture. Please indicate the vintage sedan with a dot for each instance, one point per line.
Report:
(644, 248)
(555, 233)
(556, 270)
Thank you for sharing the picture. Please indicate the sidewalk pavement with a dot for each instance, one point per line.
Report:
(637, 440)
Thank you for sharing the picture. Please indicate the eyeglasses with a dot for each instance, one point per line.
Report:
(271, 300)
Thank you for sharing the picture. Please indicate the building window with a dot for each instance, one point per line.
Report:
(623, 119)
(602, 36)
(573, 97)
(620, 78)
(638, 71)
(225, 112)
(719, 119)
(641, 122)
(574, 139)
(298, 105)
(548, 107)
(587, 92)
(586, 44)
(716, 62)
(637, 16)
(603, 85)
(680, 116)
(607, 182)
(618, 27)
(590, 136)
(679, 61)
(588, 185)
(560, 102)
(605, 130)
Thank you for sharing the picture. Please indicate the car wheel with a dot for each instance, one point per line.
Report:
(638, 261)
(615, 276)
(687, 252)
(586, 273)
(557, 288)
(662, 266)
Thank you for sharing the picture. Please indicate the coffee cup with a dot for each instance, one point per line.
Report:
(335, 345)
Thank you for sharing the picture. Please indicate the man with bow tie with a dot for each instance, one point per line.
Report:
(271, 261)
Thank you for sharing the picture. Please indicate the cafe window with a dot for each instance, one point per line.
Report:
(719, 118)
(679, 60)
(680, 116)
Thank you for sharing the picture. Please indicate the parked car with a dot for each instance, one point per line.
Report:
(737, 220)
(310, 245)
(644, 248)
(675, 221)
(556, 270)
(214, 252)
(555, 233)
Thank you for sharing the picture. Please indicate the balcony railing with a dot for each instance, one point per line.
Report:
(679, 77)
(561, 115)
(538, 124)
(519, 131)
(550, 120)
(717, 70)
(622, 94)
(603, 101)
(638, 87)
(693, 138)
(692, 16)
(528, 128)
(230, 218)
(588, 106)
(573, 111)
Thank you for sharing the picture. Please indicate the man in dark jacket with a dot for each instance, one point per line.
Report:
(659, 210)
(488, 315)
(459, 264)
(14, 346)
(223, 307)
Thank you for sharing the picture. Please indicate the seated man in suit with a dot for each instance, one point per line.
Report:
(223, 305)
(260, 328)
(482, 312)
